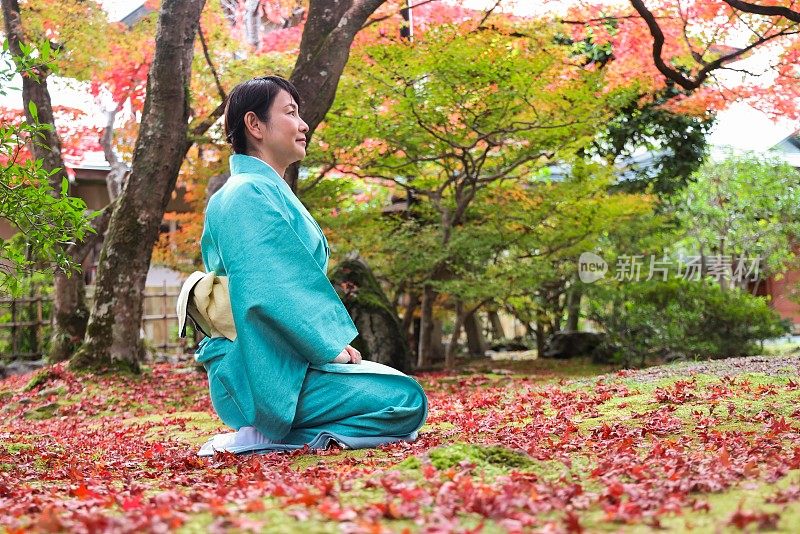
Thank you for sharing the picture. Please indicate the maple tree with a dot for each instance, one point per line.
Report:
(67, 138)
(687, 60)
(112, 334)
(47, 219)
(69, 308)
(616, 42)
(451, 115)
(688, 47)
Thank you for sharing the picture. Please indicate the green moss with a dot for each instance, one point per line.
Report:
(370, 301)
(442, 425)
(622, 409)
(82, 362)
(42, 412)
(359, 495)
(412, 463)
(308, 460)
(721, 507)
(40, 465)
(506, 457)
(16, 448)
(274, 520)
(482, 456)
(198, 427)
(544, 369)
(42, 376)
(59, 391)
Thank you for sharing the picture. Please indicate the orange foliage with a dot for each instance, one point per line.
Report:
(76, 138)
(697, 28)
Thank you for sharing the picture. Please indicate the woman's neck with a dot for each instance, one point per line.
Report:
(269, 160)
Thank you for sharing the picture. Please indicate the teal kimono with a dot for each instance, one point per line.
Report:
(290, 323)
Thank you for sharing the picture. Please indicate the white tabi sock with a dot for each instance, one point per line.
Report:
(233, 441)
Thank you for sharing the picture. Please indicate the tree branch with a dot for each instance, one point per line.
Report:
(200, 127)
(772, 11)
(489, 12)
(325, 169)
(514, 165)
(210, 64)
(658, 45)
(675, 76)
(376, 20)
(609, 18)
(115, 179)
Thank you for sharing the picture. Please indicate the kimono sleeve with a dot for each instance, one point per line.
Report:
(280, 296)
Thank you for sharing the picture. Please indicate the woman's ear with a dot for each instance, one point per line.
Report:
(253, 125)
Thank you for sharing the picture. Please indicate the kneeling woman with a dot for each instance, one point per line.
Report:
(280, 368)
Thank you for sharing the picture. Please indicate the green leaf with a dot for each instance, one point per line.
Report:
(33, 111)
(45, 51)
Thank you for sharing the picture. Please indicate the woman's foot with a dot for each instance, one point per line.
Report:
(246, 436)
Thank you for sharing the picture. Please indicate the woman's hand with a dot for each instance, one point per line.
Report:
(348, 355)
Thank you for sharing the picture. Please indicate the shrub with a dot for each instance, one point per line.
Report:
(29, 339)
(695, 318)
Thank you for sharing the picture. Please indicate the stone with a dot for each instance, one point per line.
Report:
(506, 345)
(568, 344)
(19, 367)
(58, 390)
(674, 356)
(380, 336)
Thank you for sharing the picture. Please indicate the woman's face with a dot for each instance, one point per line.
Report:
(284, 135)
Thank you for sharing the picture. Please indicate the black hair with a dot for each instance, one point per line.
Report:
(254, 95)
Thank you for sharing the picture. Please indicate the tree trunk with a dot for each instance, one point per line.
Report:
(112, 336)
(49, 149)
(252, 22)
(324, 51)
(70, 312)
(574, 308)
(115, 179)
(476, 344)
(425, 351)
(70, 316)
(69, 306)
(541, 338)
(497, 326)
(408, 315)
(450, 354)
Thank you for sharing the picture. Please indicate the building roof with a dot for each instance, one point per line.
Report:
(136, 15)
(789, 149)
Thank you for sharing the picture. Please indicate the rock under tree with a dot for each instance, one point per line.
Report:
(381, 337)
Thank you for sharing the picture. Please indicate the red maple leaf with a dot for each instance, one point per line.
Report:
(83, 492)
(764, 520)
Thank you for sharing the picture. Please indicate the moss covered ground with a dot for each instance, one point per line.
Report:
(515, 447)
